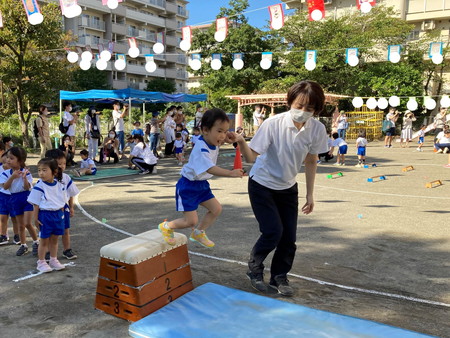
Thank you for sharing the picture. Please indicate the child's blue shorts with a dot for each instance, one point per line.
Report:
(343, 150)
(94, 171)
(421, 139)
(5, 203)
(52, 223)
(361, 151)
(190, 194)
(178, 150)
(19, 204)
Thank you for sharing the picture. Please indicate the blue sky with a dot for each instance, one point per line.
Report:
(203, 11)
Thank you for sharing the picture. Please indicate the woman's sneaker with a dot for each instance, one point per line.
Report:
(167, 233)
(201, 238)
(257, 281)
(4, 240)
(55, 264)
(281, 284)
(69, 254)
(42, 266)
(23, 249)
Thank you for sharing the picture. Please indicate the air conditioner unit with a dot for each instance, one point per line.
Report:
(428, 25)
(327, 2)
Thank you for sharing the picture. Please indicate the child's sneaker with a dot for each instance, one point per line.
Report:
(16, 239)
(418, 149)
(342, 163)
(201, 238)
(4, 240)
(359, 165)
(337, 163)
(42, 266)
(55, 264)
(35, 248)
(23, 249)
(69, 254)
(166, 232)
(439, 151)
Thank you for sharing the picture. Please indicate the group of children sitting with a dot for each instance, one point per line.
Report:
(48, 204)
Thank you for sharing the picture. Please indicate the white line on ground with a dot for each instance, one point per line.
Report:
(318, 281)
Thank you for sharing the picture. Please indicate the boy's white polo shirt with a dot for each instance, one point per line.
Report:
(202, 158)
(283, 148)
(48, 196)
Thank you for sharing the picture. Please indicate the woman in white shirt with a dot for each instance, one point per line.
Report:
(143, 157)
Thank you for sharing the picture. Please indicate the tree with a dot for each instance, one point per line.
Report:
(242, 38)
(32, 65)
(89, 79)
(161, 85)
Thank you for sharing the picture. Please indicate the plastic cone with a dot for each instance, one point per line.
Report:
(237, 159)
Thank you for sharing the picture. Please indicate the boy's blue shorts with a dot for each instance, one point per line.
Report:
(421, 139)
(52, 223)
(343, 149)
(190, 194)
(19, 204)
(5, 203)
(361, 151)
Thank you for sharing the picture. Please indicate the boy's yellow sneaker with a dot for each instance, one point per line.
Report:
(201, 238)
(167, 233)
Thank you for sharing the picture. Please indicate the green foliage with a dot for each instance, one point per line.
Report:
(159, 85)
(89, 79)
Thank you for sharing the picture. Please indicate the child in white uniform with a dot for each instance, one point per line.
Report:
(178, 148)
(361, 143)
(48, 200)
(193, 188)
(87, 166)
(342, 149)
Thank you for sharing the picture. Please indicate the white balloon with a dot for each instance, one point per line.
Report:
(150, 67)
(445, 101)
(430, 103)
(35, 18)
(86, 56)
(120, 64)
(101, 64)
(219, 36)
(112, 4)
(412, 104)
(195, 64)
(133, 52)
(353, 60)
(105, 55)
(310, 65)
(277, 24)
(72, 11)
(85, 65)
(437, 58)
(394, 57)
(366, 7)
(238, 64)
(371, 103)
(394, 101)
(265, 63)
(185, 45)
(158, 48)
(316, 15)
(216, 64)
(357, 102)
(72, 57)
(382, 103)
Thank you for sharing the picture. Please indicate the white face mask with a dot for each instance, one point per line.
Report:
(111, 135)
(300, 116)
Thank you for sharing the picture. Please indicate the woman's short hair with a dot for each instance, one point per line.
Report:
(309, 93)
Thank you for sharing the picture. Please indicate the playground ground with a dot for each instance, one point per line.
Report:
(378, 251)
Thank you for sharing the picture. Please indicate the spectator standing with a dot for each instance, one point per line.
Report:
(154, 132)
(342, 124)
(43, 130)
(258, 117)
(406, 134)
(93, 132)
(198, 116)
(118, 125)
(70, 121)
(392, 117)
(169, 132)
(439, 121)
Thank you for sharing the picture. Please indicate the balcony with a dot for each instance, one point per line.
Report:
(146, 35)
(91, 41)
(171, 73)
(145, 17)
(171, 58)
(182, 12)
(171, 41)
(119, 29)
(181, 59)
(171, 24)
(155, 4)
(92, 24)
(133, 32)
(136, 69)
(171, 8)
(93, 4)
(181, 74)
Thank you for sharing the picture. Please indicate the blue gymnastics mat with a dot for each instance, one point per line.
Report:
(213, 310)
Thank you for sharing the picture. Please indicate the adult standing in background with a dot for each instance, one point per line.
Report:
(70, 121)
(258, 117)
(43, 130)
(154, 132)
(439, 121)
(392, 117)
(406, 134)
(169, 132)
(93, 133)
(119, 125)
(198, 116)
(342, 124)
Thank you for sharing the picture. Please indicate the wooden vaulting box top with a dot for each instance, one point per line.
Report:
(136, 249)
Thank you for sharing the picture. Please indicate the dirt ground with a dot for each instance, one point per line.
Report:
(389, 239)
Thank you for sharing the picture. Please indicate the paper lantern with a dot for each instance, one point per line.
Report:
(371, 103)
(353, 60)
(158, 48)
(357, 102)
(394, 101)
(72, 57)
(112, 4)
(430, 104)
(101, 64)
(265, 63)
(445, 101)
(195, 64)
(185, 45)
(105, 55)
(412, 104)
(437, 58)
(85, 65)
(394, 57)
(35, 18)
(72, 11)
(120, 64)
(150, 67)
(310, 65)
(238, 64)
(219, 36)
(86, 56)
(316, 15)
(216, 64)
(133, 52)
(366, 7)
(382, 103)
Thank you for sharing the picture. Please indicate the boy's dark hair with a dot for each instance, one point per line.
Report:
(6, 139)
(55, 154)
(21, 155)
(53, 165)
(195, 129)
(137, 122)
(211, 116)
(180, 126)
(116, 102)
(130, 137)
(335, 135)
(362, 133)
(139, 138)
(2, 146)
(66, 103)
(84, 152)
(198, 106)
(172, 107)
(309, 93)
(179, 107)
(177, 135)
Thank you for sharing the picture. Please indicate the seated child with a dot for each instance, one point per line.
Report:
(87, 165)
(326, 156)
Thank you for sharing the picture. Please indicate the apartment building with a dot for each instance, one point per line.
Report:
(425, 15)
(143, 20)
